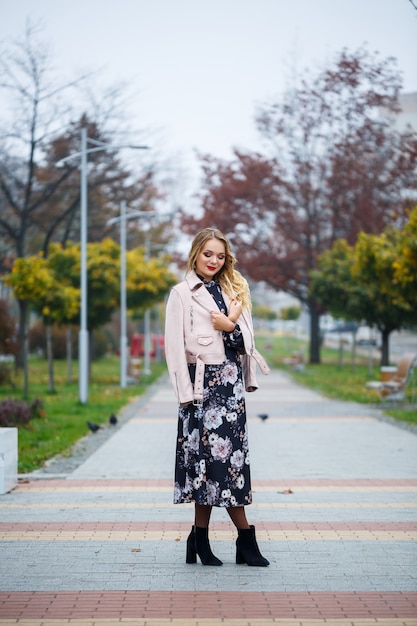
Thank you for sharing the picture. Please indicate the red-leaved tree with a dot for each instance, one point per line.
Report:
(335, 166)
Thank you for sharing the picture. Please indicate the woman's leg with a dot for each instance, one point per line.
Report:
(198, 539)
(202, 515)
(238, 516)
(247, 550)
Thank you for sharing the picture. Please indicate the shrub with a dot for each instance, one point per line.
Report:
(8, 344)
(17, 412)
(6, 375)
(37, 340)
(102, 340)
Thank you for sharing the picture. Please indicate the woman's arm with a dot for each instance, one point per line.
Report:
(175, 349)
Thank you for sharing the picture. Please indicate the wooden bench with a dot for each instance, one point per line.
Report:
(394, 388)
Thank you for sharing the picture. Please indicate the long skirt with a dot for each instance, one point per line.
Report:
(212, 456)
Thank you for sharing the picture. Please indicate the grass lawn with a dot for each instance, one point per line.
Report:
(65, 417)
(335, 380)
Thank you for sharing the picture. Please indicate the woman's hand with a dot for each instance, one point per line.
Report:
(220, 321)
(235, 310)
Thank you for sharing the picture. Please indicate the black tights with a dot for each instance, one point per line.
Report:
(236, 513)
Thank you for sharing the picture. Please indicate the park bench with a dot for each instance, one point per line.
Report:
(295, 361)
(394, 388)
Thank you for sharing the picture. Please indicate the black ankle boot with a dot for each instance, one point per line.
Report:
(198, 543)
(247, 550)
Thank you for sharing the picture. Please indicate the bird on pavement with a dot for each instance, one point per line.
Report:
(93, 427)
(263, 416)
(113, 419)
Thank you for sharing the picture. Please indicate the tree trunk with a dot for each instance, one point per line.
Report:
(20, 358)
(385, 347)
(23, 346)
(68, 335)
(25, 356)
(353, 364)
(314, 333)
(50, 357)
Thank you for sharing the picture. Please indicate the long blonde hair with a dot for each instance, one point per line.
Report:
(231, 280)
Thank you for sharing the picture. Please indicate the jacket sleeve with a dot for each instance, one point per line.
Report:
(175, 350)
(251, 356)
(248, 362)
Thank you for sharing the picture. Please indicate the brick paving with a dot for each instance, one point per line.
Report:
(334, 505)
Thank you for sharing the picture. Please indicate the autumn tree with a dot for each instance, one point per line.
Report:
(103, 280)
(148, 281)
(39, 203)
(359, 283)
(405, 265)
(334, 166)
(374, 269)
(28, 120)
(33, 281)
(290, 313)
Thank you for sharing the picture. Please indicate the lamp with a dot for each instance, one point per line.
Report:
(83, 334)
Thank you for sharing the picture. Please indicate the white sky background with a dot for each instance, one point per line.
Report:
(198, 68)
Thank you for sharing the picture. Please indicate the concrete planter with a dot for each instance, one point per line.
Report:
(8, 459)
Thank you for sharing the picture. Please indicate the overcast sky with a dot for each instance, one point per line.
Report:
(198, 68)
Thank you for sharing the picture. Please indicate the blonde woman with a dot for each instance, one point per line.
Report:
(211, 358)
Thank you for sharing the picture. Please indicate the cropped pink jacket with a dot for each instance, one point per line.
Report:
(191, 338)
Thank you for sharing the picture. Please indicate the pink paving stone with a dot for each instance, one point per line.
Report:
(234, 605)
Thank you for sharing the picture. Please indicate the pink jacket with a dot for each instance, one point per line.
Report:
(191, 338)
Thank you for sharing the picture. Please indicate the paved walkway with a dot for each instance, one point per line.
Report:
(334, 505)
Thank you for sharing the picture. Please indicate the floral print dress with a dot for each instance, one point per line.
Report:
(212, 456)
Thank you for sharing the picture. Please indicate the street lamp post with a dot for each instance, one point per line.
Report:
(123, 302)
(147, 320)
(124, 216)
(83, 357)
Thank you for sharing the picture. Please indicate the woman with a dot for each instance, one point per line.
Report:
(211, 359)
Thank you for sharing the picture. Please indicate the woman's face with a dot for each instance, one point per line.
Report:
(211, 259)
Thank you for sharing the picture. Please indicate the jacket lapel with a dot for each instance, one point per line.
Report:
(200, 294)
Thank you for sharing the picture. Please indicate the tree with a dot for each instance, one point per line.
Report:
(34, 283)
(335, 167)
(65, 263)
(290, 313)
(405, 264)
(357, 283)
(374, 269)
(103, 280)
(35, 114)
(263, 312)
(148, 281)
(39, 203)
(333, 286)
(23, 80)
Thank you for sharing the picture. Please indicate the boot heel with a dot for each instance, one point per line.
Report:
(191, 555)
(239, 558)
